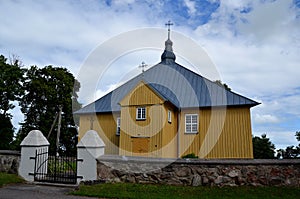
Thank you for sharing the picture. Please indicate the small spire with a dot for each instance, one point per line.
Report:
(143, 66)
(168, 55)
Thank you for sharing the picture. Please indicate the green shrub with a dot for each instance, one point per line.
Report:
(190, 155)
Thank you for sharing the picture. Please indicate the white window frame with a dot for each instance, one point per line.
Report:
(118, 126)
(169, 116)
(141, 113)
(189, 126)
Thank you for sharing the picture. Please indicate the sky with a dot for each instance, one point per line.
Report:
(254, 45)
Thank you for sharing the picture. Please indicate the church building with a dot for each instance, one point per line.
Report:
(169, 111)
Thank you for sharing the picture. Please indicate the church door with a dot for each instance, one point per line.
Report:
(140, 146)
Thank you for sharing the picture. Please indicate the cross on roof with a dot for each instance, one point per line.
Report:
(169, 24)
(143, 66)
(91, 119)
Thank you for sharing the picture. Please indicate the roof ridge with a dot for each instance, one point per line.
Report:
(206, 91)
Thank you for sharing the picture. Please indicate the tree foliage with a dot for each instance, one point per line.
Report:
(290, 152)
(263, 148)
(39, 91)
(298, 135)
(11, 89)
(224, 85)
(6, 132)
(47, 89)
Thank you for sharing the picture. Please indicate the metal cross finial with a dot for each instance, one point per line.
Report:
(143, 66)
(169, 24)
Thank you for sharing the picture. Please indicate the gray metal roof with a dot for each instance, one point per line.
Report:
(180, 86)
(176, 84)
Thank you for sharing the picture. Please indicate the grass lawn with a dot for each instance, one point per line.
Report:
(6, 178)
(125, 190)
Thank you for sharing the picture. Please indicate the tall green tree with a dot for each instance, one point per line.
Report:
(11, 89)
(290, 152)
(298, 135)
(6, 132)
(263, 148)
(46, 89)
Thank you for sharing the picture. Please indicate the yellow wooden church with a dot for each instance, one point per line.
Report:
(169, 111)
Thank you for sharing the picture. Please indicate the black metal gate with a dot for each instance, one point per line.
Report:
(54, 169)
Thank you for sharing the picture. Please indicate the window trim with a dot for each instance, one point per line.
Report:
(185, 129)
(139, 110)
(169, 116)
(118, 126)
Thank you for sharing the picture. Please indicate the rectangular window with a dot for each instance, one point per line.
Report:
(141, 113)
(191, 123)
(118, 126)
(169, 116)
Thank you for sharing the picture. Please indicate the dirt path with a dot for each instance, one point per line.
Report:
(31, 191)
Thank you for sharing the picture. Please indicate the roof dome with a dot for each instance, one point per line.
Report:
(168, 56)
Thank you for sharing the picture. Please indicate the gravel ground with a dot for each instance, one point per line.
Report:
(32, 191)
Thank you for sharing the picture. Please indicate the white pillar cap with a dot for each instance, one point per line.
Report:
(91, 139)
(35, 138)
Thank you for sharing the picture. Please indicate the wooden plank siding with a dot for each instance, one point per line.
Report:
(170, 129)
(161, 133)
(223, 133)
(106, 126)
(142, 94)
(149, 128)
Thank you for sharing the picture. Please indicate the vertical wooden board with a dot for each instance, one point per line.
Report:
(155, 145)
(205, 115)
(169, 135)
(84, 125)
(188, 142)
(106, 127)
(234, 141)
(125, 144)
(155, 126)
(142, 94)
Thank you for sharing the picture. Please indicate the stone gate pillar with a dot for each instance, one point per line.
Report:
(35, 140)
(89, 148)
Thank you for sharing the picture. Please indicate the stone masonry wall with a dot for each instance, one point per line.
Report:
(9, 161)
(194, 172)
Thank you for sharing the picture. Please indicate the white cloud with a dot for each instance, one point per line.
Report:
(262, 119)
(59, 32)
(272, 22)
(100, 93)
(281, 139)
(122, 2)
(254, 44)
(191, 6)
(257, 54)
